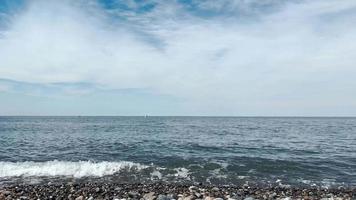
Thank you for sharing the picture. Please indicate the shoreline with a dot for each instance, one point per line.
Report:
(163, 191)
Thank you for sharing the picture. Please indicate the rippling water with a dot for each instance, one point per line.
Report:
(217, 150)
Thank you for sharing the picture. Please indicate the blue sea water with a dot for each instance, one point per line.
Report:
(210, 150)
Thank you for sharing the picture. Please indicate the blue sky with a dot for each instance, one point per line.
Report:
(178, 57)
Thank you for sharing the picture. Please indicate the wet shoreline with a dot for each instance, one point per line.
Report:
(163, 191)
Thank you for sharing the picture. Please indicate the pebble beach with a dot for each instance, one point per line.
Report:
(161, 191)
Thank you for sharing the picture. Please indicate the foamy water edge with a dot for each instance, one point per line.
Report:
(66, 168)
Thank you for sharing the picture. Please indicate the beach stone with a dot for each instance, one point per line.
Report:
(133, 194)
(249, 198)
(171, 196)
(91, 198)
(192, 188)
(197, 194)
(215, 189)
(79, 198)
(162, 197)
(209, 198)
(190, 197)
(218, 199)
(6, 193)
(287, 198)
(273, 195)
(149, 196)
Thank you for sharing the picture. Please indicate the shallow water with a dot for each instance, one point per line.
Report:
(217, 150)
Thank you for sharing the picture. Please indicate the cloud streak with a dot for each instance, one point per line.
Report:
(238, 56)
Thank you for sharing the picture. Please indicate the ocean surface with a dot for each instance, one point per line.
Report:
(208, 150)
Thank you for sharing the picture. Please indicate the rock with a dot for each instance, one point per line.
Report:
(215, 189)
(91, 198)
(149, 196)
(273, 195)
(79, 198)
(162, 197)
(209, 198)
(198, 195)
(249, 198)
(6, 193)
(192, 188)
(133, 194)
(171, 196)
(190, 197)
(218, 199)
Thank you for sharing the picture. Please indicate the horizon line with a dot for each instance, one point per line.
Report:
(237, 116)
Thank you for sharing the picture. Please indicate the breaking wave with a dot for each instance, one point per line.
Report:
(65, 168)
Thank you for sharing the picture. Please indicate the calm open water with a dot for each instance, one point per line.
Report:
(216, 150)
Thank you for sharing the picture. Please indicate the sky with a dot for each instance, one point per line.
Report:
(178, 57)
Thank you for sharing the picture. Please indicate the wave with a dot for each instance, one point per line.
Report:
(65, 168)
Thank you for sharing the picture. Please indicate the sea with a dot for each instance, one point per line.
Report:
(288, 151)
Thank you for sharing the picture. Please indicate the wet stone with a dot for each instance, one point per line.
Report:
(149, 196)
(79, 198)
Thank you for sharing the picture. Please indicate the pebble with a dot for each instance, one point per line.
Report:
(215, 189)
(171, 196)
(190, 197)
(79, 198)
(149, 196)
(209, 198)
(162, 197)
(192, 188)
(197, 194)
(134, 194)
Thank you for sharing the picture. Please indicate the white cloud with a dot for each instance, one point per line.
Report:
(282, 56)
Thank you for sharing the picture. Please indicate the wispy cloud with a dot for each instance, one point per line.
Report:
(231, 55)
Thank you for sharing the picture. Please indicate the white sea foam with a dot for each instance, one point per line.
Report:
(156, 174)
(65, 168)
(182, 172)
